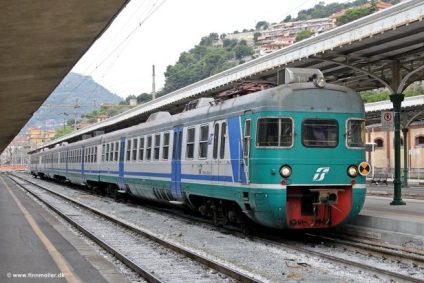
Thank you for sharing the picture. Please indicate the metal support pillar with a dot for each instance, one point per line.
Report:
(397, 196)
(405, 157)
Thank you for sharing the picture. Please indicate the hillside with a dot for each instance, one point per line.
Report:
(75, 95)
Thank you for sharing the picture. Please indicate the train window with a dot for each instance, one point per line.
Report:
(110, 151)
(165, 148)
(223, 136)
(134, 149)
(141, 150)
(215, 141)
(149, 148)
(95, 154)
(108, 156)
(320, 133)
(116, 151)
(103, 152)
(157, 147)
(203, 141)
(190, 143)
(246, 138)
(275, 132)
(355, 133)
(128, 150)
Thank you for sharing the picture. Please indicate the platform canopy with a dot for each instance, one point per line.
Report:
(40, 42)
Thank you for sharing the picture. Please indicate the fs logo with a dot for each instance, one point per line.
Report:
(320, 174)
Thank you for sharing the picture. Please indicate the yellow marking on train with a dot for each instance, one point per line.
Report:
(57, 257)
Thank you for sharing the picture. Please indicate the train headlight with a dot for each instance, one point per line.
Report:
(320, 81)
(285, 171)
(352, 171)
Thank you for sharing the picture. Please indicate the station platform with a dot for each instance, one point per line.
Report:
(36, 247)
(397, 225)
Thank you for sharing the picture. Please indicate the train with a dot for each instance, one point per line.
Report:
(289, 155)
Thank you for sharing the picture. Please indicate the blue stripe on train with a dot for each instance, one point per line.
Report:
(236, 152)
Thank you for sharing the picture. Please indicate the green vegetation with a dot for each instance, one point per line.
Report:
(381, 95)
(205, 60)
(321, 10)
(63, 131)
(304, 34)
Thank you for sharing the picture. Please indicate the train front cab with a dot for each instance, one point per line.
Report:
(319, 173)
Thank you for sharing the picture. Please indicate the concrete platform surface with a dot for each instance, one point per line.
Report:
(36, 247)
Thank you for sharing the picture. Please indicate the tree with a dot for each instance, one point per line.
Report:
(262, 25)
(287, 19)
(304, 34)
(353, 14)
(242, 51)
(62, 131)
(256, 35)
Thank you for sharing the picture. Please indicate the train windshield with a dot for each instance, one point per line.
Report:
(275, 132)
(355, 133)
(320, 133)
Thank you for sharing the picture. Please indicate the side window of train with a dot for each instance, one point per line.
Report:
(355, 133)
(116, 152)
(274, 132)
(149, 148)
(247, 137)
(141, 149)
(203, 141)
(157, 147)
(134, 149)
(320, 133)
(190, 143)
(223, 137)
(215, 140)
(165, 148)
(128, 150)
(103, 152)
(109, 150)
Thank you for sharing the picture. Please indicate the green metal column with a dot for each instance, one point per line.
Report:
(397, 196)
(405, 157)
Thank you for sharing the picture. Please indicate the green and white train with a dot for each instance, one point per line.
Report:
(287, 157)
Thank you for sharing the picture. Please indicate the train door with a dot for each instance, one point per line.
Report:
(83, 156)
(176, 164)
(121, 167)
(219, 166)
(247, 137)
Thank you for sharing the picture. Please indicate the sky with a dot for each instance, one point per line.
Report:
(156, 32)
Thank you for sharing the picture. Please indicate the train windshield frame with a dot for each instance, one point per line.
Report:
(319, 132)
(274, 132)
(355, 133)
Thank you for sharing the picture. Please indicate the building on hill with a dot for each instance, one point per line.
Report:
(37, 137)
(281, 35)
(380, 6)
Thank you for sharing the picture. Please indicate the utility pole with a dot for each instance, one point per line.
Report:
(153, 84)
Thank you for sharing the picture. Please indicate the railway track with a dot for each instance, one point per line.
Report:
(319, 255)
(153, 258)
(386, 264)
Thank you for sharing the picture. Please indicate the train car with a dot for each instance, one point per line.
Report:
(286, 157)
